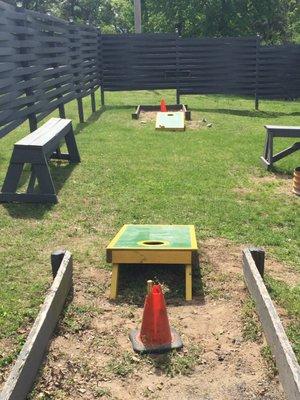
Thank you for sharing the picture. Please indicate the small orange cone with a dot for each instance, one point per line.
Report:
(163, 106)
(155, 335)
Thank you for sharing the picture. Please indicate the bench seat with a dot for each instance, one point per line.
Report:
(37, 148)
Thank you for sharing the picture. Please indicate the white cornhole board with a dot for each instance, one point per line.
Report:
(170, 120)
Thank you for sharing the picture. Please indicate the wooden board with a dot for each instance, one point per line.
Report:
(175, 237)
(286, 362)
(173, 121)
(153, 244)
(29, 360)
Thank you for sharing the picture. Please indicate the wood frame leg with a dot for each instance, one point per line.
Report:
(114, 281)
(74, 156)
(188, 282)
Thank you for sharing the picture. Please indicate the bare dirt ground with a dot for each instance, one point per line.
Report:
(91, 357)
(150, 116)
(283, 183)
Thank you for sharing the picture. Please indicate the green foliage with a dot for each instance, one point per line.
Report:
(177, 362)
(276, 21)
(269, 360)
(122, 365)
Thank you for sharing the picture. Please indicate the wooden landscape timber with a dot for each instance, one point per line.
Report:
(286, 362)
(170, 107)
(26, 367)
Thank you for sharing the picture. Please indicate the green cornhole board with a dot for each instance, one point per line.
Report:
(153, 244)
(170, 120)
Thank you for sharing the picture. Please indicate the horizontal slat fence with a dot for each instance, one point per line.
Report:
(217, 65)
(136, 62)
(279, 71)
(45, 62)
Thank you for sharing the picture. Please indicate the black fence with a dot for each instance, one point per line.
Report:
(279, 72)
(137, 62)
(46, 62)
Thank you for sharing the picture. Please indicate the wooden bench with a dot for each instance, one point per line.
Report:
(279, 131)
(37, 149)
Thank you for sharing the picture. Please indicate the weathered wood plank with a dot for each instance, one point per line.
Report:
(29, 360)
(288, 368)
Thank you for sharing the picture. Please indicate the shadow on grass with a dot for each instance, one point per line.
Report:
(246, 113)
(60, 172)
(97, 114)
(90, 120)
(133, 283)
(281, 173)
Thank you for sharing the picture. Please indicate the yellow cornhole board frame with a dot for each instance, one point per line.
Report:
(153, 244)
(170, 120)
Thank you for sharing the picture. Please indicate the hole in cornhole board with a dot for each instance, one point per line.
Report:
(154, 242)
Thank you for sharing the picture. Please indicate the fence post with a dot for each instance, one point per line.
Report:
(93, 102)
(102, 98)
(80, 110)
(257, 73)
(177, 73)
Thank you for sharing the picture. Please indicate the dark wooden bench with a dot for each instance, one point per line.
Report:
(37, 149)
(279, 131)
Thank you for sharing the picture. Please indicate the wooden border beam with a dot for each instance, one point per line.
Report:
(288, 367)
(26, 367)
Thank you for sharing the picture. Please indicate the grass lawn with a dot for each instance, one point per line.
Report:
(130, 173)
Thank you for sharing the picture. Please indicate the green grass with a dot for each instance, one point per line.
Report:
(251, 325)
(130, 173)
(288, 298)
(177, 362)
(121, 366)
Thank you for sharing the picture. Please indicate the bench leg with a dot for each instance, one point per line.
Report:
(30, 187)
(74, 156)
(270, 150)
(12, 178)
(188, 282)
(114, 281)
(44, 178)
(38, 171)
(267, 157)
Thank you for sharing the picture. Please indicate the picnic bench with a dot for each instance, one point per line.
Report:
(279, 131)
(37, 149)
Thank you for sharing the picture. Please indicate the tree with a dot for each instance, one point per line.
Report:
(276, 21)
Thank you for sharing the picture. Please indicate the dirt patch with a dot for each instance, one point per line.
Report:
(147, 116)
(150, 116)
(214, 250)
(282, 272)
(91, 356)
(283, 183)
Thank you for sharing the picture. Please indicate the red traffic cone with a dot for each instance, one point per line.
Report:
(155, 335)
(163, 106)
